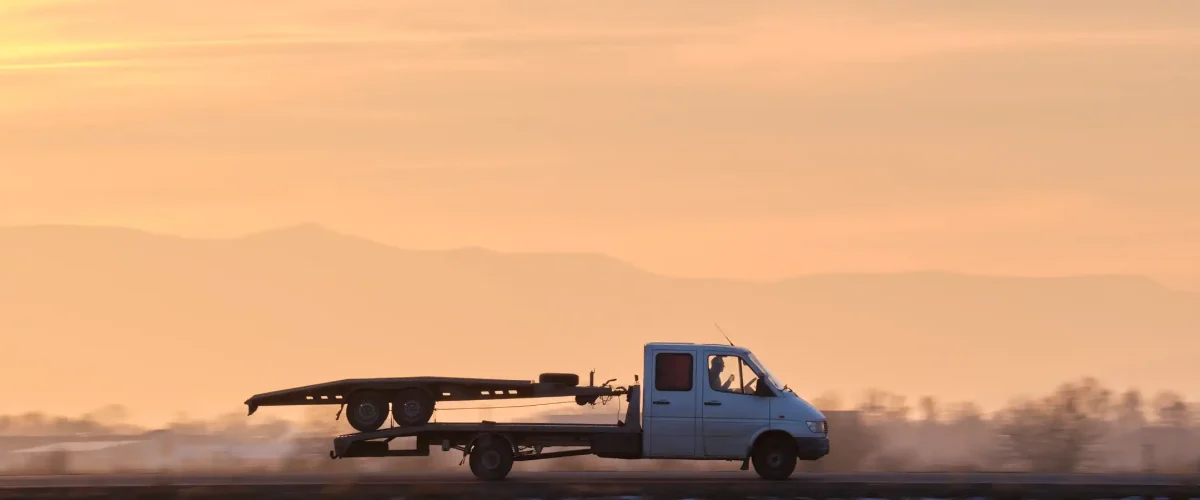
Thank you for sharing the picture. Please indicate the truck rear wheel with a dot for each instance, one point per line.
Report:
(412, 407)
(774, 458)
(366, 410)
(491, 458)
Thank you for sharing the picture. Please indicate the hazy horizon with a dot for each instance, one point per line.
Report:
(204, 323)
(318, 227)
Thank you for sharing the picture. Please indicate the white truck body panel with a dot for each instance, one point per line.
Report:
(670, 427)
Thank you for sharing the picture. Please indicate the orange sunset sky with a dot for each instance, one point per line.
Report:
(691, 137)
(748, 140)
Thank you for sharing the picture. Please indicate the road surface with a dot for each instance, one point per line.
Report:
(734, 484)
(84, 480)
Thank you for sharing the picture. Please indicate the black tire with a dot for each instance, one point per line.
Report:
(366, 410)
(491, 458)
(567, 379)
(412, 407)
(774, 458)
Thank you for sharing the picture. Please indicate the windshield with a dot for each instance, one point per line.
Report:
(765, 372)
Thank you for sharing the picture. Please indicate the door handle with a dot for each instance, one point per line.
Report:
(712, 403)
(662, 402)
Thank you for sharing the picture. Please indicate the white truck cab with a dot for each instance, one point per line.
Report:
(711, 401)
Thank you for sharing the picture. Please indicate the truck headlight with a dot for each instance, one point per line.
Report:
(818, 426)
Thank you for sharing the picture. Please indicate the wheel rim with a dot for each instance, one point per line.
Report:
(367, 412)
(412, 409)
(775, 460)
(490, 459)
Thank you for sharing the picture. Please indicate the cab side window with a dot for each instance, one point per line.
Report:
(727, 373)
(673, 372)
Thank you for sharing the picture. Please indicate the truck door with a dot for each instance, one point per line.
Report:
(671, 404)
(731, 414)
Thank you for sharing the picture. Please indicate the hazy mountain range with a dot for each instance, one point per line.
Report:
(94, 315)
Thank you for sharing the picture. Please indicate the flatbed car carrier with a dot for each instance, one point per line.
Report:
(701, 402)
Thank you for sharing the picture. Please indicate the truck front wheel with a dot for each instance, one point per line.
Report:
(491, 458)
(774, 458)
(366, 410)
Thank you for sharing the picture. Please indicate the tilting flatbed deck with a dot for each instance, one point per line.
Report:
(412, 399)
(444, 389)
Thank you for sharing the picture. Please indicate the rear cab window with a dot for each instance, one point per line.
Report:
(673, 371)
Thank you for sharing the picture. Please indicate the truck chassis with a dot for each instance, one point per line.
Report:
(491, 448)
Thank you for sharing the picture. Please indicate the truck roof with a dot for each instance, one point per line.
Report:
(693, 344)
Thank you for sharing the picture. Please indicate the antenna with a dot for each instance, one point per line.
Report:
(722, 333)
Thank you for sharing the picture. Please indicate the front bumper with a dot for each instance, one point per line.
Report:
(811, 448)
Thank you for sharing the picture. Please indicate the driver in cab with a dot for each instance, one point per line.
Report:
(714, 376)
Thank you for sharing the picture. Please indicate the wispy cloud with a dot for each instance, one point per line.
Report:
(97, 63)
(759, 45)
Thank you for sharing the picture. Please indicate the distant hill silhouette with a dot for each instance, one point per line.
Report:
(94, 315)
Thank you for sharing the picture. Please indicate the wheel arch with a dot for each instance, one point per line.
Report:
(768, 433)
(388, 389)
(395, 392)
(491, 435)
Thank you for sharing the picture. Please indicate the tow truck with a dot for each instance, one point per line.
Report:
(702, 402)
